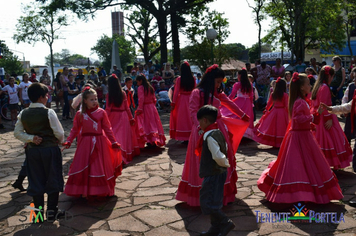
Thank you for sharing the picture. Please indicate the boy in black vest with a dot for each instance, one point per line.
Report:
(40, 129)
(213, 164)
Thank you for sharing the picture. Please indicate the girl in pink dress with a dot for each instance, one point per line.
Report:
(97, 160)
(180, 105)
(243, 91)
(121, 119)
(301, 172)
(272, 126)
(149, 124)
(329, 134)
(209, 91)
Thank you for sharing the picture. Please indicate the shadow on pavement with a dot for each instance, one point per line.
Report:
(238, 211)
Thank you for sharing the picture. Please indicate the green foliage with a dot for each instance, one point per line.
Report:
(103, 48)
(198, 54)
(40, 23)
(303, 24)
(65, 58)
(253, 53)
(9, 61)
(143, 31)
(201, 20)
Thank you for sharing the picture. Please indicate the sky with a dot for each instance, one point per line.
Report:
(79, 37)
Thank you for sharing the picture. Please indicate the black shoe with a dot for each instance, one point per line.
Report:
(226, 228)
(352, 203)
(18, 185)
(213, 231)
(2, 126)
(52, 216)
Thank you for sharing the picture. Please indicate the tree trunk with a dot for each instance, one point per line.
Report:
(52, 66)
(162, 27)
(175, 39)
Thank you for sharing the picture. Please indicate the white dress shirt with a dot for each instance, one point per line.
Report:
(56, 126)
(214, 148)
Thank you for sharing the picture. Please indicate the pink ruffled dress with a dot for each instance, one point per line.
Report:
(233, 130)
(180, 124)
(245, 102)
(272, 126)
(95, 164)
(333, 142)
(301, 172)
(149, 125)
(120, 121)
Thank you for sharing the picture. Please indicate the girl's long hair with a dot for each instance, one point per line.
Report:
(187, 81)
(207, 84)
(280, 89)
(322, 78)
(295, 91)
(147, 86)
(115, 94)
(245, 82)
(85, 95)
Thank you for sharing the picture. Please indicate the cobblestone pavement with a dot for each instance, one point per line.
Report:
(144, 201)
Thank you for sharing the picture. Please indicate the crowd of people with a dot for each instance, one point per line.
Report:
(115, 116)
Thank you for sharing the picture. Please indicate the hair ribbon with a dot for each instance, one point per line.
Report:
(185, 62)
(278, 79)
(327, 70)
(295, 77)
(86, 88)
(114, 75)
(211, 68)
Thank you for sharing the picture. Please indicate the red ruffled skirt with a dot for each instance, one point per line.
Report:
(150, 129)
(271, 128)
(180, 123)
(124, 136)
(300, 173)
(189, 186)
(334, 144)
(94, 168)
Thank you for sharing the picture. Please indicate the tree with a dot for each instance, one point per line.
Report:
(259, 17)
(9, 61)
(254, 53)
(160, 9)
(302, 24)
(65, 58)
(350, 14)
(40, 24)
(143, 32)
(196, 32)
(234, 50)
(198, 54)
(103, 48)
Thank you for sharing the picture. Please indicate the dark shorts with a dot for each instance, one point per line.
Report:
(13, 106)
(44, 170)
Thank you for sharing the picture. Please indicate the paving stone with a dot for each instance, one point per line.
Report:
(157, 217)
(153, 182)
(141, 192)
(108, 233)
(128, 223)
(129, 185)
(164, 231)
(144, 200)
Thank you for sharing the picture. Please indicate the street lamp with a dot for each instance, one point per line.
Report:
(211, 34)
